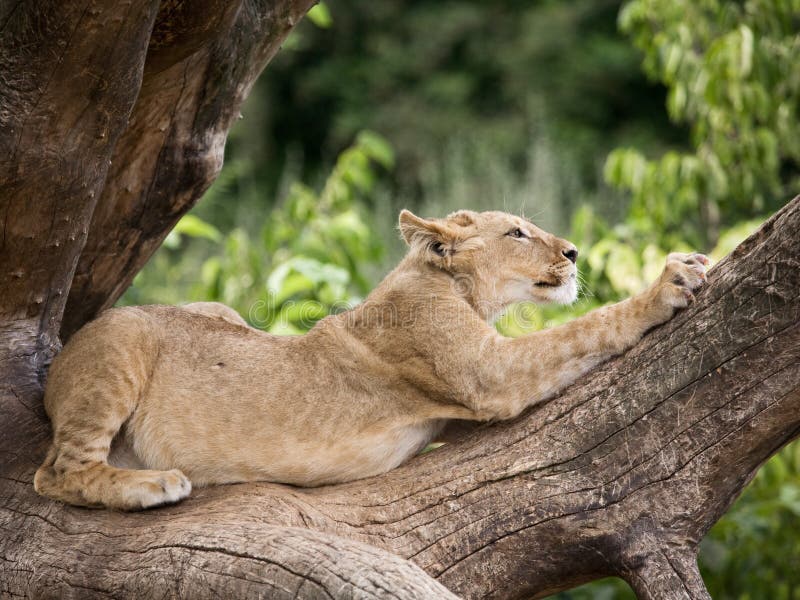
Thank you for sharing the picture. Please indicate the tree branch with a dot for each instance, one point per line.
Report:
(622, 474)
(660, 571)
(195, 82)
(71, 73)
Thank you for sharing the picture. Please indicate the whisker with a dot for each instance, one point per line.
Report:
(583, 289)
(535, 215)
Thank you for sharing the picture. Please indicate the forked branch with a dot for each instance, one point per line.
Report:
(622, 474)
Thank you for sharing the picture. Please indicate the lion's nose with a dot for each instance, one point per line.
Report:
(571, 254)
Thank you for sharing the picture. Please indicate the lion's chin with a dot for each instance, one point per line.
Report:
(566, 293)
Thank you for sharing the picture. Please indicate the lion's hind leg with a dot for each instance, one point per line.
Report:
(76, 471)
(93, 388)
(100, 485)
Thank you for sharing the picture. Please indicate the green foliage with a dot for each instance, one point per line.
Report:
(751, 553)
(611, 588)
(191, 226)
(731, 70)
(430, 76)
(621, 262)
(308, 261)
(320, 15)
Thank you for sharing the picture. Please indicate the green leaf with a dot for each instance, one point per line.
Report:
(172, 241)
(292, 285)
(284, 328)
(320, 16)
(624, 270)
(745, 50)
(302, 314)
(376, 147)
(313, 270)
(195, 227)
(734, 236)
(520, 319)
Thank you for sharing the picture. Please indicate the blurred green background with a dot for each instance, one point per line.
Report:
(632, 128)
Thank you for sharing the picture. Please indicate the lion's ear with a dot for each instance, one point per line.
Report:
(437, 238)
(415, 229)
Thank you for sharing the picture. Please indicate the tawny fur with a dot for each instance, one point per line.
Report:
(197, 395)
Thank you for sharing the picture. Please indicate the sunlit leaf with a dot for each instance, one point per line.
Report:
(624, 270)
(320, 15)
(193, 226)
(376, 147)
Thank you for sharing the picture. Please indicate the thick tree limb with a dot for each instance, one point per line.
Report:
(69, 76)
(173, 146)
(622, 474)
(149, 89)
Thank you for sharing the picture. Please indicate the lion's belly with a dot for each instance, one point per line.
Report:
(282, 457)
(345, 459)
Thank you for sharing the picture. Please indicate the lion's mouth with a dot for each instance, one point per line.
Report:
(553, 283)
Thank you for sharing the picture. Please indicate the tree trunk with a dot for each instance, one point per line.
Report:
(113, 118)
(622, 474)
(172, 148)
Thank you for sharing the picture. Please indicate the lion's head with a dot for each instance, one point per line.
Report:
(495, 257)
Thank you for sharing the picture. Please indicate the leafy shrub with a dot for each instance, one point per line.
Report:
(308, 261)
(731, 70)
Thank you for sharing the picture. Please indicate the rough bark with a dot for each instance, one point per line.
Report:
(128, 103)
(69, 75)
(172, 149)
(622, 474)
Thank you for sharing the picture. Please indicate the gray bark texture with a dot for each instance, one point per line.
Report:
(112, 121)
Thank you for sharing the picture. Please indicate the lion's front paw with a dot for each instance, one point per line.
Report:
(682, 276)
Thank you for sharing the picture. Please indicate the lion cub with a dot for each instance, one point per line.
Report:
(195, 394)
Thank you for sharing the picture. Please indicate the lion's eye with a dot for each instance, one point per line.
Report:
(517, 233)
